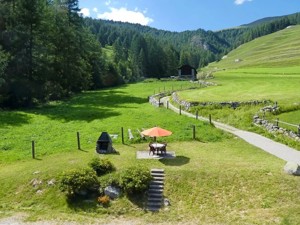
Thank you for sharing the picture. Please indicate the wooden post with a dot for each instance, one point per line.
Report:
(167, 104)
(180, 110)
(78, 140)
(33, 149)
(122, 134)
(210, 118)
(299, 130)
(197, 115)
(194, 132)
(277, 122)
(158, 102)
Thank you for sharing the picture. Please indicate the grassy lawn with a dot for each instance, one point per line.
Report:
(53, 127)
(243, 85)
(215, 179)
(226, 182)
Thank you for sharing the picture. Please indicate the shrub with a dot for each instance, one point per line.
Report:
(110, 179)
(101, 166)
(104, 200)
(79, 181)
(135, 179)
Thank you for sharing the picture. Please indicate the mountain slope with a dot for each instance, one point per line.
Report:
(280, 49)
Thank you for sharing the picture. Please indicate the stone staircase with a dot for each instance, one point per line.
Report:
(155, 191)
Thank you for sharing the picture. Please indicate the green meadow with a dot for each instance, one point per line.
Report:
(215, 179)
(267, 69)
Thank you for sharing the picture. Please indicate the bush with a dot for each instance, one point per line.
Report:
(79, 181)
(101, 166)
(110, 179)
(135, 179)
(104, 200)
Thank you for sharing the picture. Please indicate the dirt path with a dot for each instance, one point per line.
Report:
(277, 149)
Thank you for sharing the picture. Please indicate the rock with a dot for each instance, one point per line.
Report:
(292, 168)
(35, 182)
(167, 202)
(51, 182)
(112, 192)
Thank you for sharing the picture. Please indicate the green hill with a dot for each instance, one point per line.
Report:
(280, 49)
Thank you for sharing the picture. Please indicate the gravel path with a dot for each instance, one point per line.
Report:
(277, 149)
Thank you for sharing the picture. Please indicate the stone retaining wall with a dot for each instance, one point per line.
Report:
(272, 127)
(187, 105)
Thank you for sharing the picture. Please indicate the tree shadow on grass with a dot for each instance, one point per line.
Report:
(13, 118)
(89, 106)
(82, 203)
(177, 161)
(138, 199)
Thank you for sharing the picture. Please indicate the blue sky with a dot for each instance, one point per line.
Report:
(180, 15)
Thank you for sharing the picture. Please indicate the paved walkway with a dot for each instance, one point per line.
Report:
(277, 149)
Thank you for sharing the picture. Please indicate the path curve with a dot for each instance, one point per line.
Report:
(277, 149)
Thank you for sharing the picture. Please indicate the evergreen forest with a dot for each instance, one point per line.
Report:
(48, 51)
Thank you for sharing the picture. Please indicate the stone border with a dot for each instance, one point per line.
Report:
(187, 105)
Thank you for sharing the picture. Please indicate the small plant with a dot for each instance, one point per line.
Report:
(104, 200)
(135, 179)
(79, 181)
(101, 166)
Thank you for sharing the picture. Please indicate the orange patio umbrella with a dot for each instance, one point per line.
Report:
(156, 132)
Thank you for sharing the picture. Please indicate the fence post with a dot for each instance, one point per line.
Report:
(33, 149)
(299, 130)
(180, 110)
(194, 132)
(210, 118)
(277, 122)
(197, 115)
(78, 140)
(167, 104)
(122, 134)
(158, 102)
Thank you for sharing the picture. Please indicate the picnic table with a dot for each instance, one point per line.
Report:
(158, 148)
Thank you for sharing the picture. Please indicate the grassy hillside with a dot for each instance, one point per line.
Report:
(278, 50)
(266, 68)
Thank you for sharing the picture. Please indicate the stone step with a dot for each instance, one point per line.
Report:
(155, 190)
(157, 170)
(157, 175)
(154, 204)
(158, 179)
(156, 186)
(155, 194)
(158, 182)
(155, 199)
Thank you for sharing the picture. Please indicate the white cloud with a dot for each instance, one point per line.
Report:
(85, 12)
(95, 9)
(240, 2)
(107, 3)
(124, 15)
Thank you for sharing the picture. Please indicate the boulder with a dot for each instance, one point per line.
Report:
(112, 192)
(292, 168)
